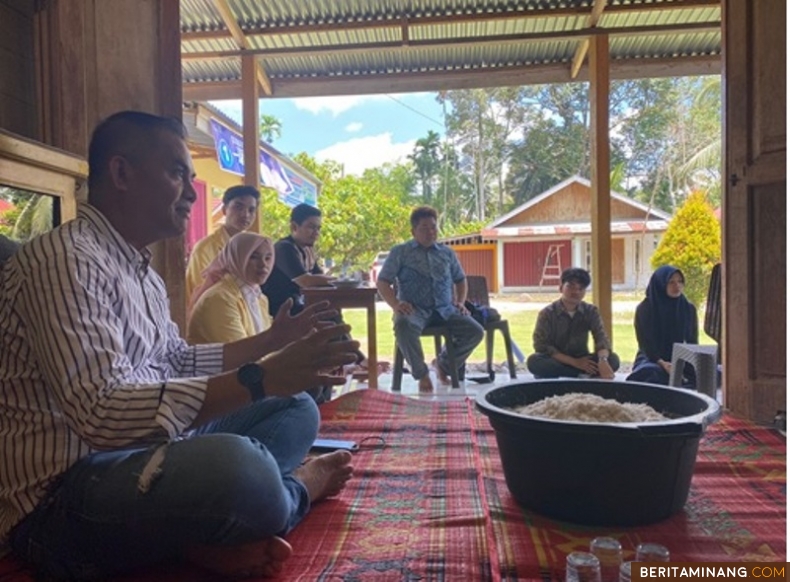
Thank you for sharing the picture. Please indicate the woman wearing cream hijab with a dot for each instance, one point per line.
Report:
(229, 305)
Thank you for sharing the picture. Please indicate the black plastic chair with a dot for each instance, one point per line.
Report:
(712, 323)
(438, 332)
(477, 292)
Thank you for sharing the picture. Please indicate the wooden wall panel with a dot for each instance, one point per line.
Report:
(769, 39)
(524, 262)
(769, 261)
(754, 209)
(18, 112)
(618, 261)
(479, 261)
(99, 57)
(571, 204)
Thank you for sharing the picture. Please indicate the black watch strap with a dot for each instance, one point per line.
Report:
(251, 377)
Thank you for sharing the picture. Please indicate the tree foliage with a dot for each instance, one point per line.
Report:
(511, 144)
(504, 146)
(31, 216)
(692, 243)
(270, 127)
(361, 216)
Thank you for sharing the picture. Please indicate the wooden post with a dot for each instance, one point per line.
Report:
(599, 173)
(251, 127)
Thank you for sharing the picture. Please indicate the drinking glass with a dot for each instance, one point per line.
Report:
(625, 572)
(650, 552)
(582, 567)
(610, 554)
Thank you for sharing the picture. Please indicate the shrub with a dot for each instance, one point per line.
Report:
(692, 243)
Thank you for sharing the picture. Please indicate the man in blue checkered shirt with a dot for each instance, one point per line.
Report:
(431, 290)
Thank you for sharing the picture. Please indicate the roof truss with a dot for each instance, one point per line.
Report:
(314, 52)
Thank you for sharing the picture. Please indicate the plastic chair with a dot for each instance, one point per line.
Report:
(477, 292)
(438, 332)
(703, 359)
(712, 322)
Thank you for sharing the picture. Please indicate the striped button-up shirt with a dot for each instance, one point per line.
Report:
(89, 358)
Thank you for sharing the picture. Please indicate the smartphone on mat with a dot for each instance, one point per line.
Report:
(334, 445)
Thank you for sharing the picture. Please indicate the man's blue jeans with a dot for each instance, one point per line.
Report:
(465, 331)
(229, 483)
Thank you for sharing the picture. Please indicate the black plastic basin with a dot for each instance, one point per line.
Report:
(599, 473)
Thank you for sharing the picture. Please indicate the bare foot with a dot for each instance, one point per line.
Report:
(425, 384)
(325, 475)
(262, 558)
(443, 378)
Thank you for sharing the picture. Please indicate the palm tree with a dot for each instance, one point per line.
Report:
(270, 127)
(427, 163)
(703, 166)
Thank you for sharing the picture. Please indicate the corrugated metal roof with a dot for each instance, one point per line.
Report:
(367, 40)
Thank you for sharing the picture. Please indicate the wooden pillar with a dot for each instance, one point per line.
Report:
(599, 174)
(95, 58)
(251, 127)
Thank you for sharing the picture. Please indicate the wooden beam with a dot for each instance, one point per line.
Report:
(599, 177)
(263, 79)
(169, 255)
(226, 13)
(250, 126)
(459, 79)
(578, 57)
(376, 22)
(212, 90)
(581, 49)
(498, 40)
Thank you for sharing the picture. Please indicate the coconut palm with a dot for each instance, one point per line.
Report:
(427, 163)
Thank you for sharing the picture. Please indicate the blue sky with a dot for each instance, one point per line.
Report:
(358, 131)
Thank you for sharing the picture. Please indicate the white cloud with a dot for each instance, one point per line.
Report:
(361, 153)
(353, 127)
(334, 105)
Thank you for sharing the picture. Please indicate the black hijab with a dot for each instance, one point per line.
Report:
(670, 317)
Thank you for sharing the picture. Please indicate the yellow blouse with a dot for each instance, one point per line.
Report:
(205, 251)
(222, 315)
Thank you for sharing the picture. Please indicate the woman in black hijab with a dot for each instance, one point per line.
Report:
(663, 318)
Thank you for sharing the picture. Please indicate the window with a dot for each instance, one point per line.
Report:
(588, 255)
(25, 214)
(38, 186)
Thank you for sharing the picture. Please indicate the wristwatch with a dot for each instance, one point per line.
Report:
(603, 358)
(251, 377)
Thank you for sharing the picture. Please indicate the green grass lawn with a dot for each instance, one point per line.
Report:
(521, 322)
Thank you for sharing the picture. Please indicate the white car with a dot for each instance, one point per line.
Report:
(375, 269)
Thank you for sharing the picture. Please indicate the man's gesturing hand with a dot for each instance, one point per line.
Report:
(287, 328)
(308, 362)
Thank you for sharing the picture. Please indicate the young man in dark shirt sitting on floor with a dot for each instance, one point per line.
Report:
(562, 332)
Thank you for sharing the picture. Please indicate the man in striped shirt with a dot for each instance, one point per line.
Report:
(122, 445)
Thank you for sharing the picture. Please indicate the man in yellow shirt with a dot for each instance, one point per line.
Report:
(239, 205)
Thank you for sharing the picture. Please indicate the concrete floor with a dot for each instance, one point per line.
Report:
(468, 388)
(441, 392)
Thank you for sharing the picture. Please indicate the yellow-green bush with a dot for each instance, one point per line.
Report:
(692, 243)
